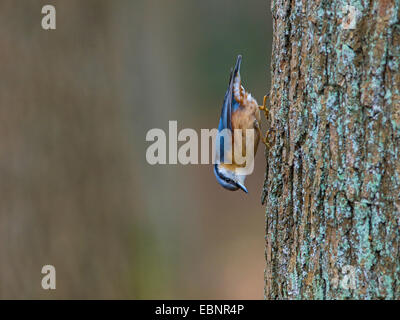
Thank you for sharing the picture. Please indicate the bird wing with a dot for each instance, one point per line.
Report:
(230, 104)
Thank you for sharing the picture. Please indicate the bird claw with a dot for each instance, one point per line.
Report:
(264, 107)
(263, 139)
(266, 113)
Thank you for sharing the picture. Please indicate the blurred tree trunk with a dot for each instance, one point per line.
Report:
(333, 170)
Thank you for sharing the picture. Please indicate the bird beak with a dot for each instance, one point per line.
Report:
(241, 186)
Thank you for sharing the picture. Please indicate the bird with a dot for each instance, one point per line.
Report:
(239, 111)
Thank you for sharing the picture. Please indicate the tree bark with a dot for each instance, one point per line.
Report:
(332, 187)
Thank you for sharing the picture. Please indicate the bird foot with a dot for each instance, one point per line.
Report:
(264, 139)
(264, 107)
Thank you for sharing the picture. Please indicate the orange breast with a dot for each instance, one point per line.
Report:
(244, 118)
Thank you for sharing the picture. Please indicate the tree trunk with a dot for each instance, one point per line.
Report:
(333, 170)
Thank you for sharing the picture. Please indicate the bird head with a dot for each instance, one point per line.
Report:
(229, 179)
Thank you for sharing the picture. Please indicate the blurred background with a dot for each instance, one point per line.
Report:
(76, 191)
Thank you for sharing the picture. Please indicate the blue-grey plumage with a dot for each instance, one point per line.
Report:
(239, 111)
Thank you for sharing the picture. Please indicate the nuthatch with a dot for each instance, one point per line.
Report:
(239, 111)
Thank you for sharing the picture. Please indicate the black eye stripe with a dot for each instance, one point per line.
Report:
(224, 178)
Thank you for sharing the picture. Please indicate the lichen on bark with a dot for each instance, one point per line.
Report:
(332, 187)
